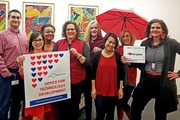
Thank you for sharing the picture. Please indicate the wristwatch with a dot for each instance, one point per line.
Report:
(178, 73)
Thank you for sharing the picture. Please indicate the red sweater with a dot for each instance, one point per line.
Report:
(77, 70)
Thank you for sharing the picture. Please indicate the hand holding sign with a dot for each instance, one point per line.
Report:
(134, 54)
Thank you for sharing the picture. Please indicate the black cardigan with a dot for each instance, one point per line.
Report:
(120, 66)
(168, 88)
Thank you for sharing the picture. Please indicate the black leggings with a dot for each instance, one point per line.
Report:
(141, 96)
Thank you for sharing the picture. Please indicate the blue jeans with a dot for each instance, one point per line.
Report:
(10, 97)
(105, 107)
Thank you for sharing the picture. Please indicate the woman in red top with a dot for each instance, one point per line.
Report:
(36, 45)
(107, 78)
(48, 32)
(126, 39)
(79, 58)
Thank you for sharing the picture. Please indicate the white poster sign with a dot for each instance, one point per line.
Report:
(134, 54)
(46, 77)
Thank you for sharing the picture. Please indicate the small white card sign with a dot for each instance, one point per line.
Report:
(134, 54)
(46, 77)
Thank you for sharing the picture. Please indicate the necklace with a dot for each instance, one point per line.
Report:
(105, 54)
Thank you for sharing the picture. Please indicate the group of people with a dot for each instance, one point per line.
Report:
(98, 69)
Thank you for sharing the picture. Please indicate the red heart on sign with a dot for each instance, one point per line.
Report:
(56, 55)
(129, 53)
(50, 61)
(39, 68)
(55, 60)
(45, 73)
(39, 57)
(39, 73)
(50, 55)
(33, 63)
(34, 80)
(44, 67)
(44, 56)
(32, 57)
(34, 85)
(39, 62)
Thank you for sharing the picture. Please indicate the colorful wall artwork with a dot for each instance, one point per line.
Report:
(36, 15)
(4, 8)
(82, 15)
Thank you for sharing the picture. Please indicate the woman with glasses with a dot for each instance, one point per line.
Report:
(79, 58)
(36, 45)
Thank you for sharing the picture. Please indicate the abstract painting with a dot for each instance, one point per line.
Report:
(82, 15)
(4, 8)
(36, 15)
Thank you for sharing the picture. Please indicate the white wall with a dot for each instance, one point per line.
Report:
(168, 10)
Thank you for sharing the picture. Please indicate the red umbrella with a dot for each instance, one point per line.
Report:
(116, 20)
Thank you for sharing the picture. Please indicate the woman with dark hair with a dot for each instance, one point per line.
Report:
(36, 45)
(158, 78)
(48, 32)
(107, 78)
(79, 58)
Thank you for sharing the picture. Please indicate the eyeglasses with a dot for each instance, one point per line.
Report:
(70, 29)
(36, 41)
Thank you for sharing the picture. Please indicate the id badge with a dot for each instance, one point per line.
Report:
(14, 82)
(153, 66)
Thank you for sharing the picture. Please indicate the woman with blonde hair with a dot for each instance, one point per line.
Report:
(126, 39)
(93, 37)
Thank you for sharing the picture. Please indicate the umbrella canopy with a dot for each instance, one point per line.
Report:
(116, 20)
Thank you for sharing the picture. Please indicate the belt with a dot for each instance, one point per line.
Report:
(13, 70)
(154, 73)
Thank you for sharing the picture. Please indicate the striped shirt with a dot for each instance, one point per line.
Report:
(12, 44)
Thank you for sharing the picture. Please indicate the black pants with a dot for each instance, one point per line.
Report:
(87, 94)
(141, 96)
(124, 101)
(105, 106)
(69, 109)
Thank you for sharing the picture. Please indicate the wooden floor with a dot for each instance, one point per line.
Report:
(148, 113)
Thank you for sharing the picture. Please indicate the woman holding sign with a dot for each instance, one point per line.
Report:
(79, 58)
(36, 45)
(126, 39)
(158, 78)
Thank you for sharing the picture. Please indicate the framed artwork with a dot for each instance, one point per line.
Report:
(4, 9)
(82, 14)
(36, 15)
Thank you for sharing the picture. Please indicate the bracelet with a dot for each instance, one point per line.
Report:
(79, 57)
